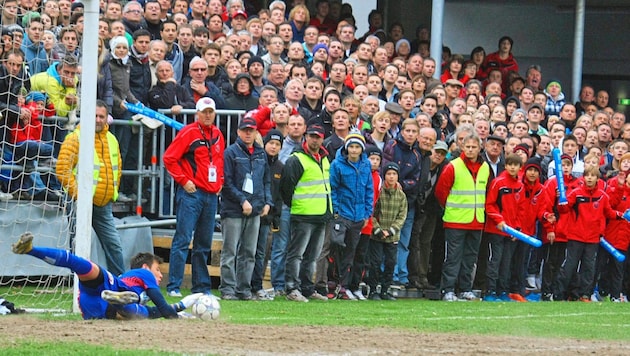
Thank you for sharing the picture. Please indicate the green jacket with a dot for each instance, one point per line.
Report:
(389, 214)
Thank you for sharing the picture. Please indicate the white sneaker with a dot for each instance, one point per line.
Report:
(359, 294)
(296, 296)
(262, 295)
(174, 293)
(468, 296)
(449, 297)
(5, 196)
(119, 297)
(346, 294)
(317, 296)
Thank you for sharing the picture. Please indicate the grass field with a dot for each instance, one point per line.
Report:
(595, 321)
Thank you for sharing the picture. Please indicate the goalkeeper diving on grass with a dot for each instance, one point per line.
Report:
(105, 296)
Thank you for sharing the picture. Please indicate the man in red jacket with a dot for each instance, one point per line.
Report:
(461, 190)
(195, 161)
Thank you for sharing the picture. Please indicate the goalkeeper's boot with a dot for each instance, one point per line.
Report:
(119, 298)
(24, 245)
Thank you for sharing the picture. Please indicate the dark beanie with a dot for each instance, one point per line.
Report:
(254, 60)
(533, 162)
(273, 135)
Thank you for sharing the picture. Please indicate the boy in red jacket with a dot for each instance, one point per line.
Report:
(609, 270)
(592, 207)
(555, 235)
(504, 206)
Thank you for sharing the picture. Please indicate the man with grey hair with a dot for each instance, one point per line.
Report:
(294, 92)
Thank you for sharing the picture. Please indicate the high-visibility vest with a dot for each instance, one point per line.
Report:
(467, 198)
(312, 192)
(112, 143)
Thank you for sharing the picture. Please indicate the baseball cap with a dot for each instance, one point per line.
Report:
(240, 12)
(205, 103)
(247, 123)
(454, 82)
(440, 145)
(315, 129)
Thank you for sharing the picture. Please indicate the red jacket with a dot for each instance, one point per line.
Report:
(618, 231)
(445, 183)
(493, 60)
(505, 201)
(262, 115)
(377, 183)
(535, 204)
(591, 207)
(447, 75)
(188, 157)
(564, 221)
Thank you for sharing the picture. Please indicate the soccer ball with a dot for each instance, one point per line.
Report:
(207, 307)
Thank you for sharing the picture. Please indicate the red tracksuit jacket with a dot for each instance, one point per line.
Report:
(505, 201)
(551, 206)
(591, 207)
(535, 204)
(618, 231)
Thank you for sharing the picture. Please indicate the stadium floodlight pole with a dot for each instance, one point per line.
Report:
(89, 72)
(437, 23)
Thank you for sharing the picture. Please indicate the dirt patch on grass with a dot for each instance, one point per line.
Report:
(195, 336)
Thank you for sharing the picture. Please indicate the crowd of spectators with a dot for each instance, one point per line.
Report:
(293, 68)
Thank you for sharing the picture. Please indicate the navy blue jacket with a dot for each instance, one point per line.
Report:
(238, 162)
(409, 158)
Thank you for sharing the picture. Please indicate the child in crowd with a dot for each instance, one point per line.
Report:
(504, 206)
(609, 272)
(555, 235)
(389, 216)
(352, 200)
(591, 206)
(374, 154)
(27, 132)
(272, 144)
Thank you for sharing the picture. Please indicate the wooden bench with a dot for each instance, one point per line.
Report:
(164, 238)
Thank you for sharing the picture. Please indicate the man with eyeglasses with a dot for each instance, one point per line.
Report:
(199, 85)
(132, 17)
(33, 48)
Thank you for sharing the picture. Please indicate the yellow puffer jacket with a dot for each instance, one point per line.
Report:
(49, 82)
(69, 158)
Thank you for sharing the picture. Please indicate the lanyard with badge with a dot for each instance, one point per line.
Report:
(212, 170)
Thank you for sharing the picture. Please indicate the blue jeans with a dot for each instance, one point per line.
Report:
(240, 237)
(195, 212)
(279, 249)
(259, 264)
(105, 228)
(401, 273)
(304, 247)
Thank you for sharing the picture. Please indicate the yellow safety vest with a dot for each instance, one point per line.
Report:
(467, 198)
(312, 192)
(112, 143)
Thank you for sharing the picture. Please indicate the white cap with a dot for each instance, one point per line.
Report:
(205, 103)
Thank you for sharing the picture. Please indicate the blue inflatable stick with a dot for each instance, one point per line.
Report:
(521, 236)
(143, 110)
(620, 257)
(559, 176)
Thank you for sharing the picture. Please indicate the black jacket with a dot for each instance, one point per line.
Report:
(275, 168)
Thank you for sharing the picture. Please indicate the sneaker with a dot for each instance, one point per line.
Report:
(531, 281)
(449, 297)
(517, 297)
(375, 296)
(5, 196)
(263, 295)
(317, 296)
(491, 297)
(24, 244)
(533, 297)
(229, 297)
(387, 296)
(624, 298)
(359, 294)
(279, 292)
(119, 298)
(185, 315)
(595, 297)
(174, 293)
(547, 297)
(123, 198)
(585, 299)
(189, 300)
(615, 300)
(468, 296)
(346, 294)
(504, 297)
(296, 296)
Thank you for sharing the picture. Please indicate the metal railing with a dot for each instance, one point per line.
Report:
(160, 196)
